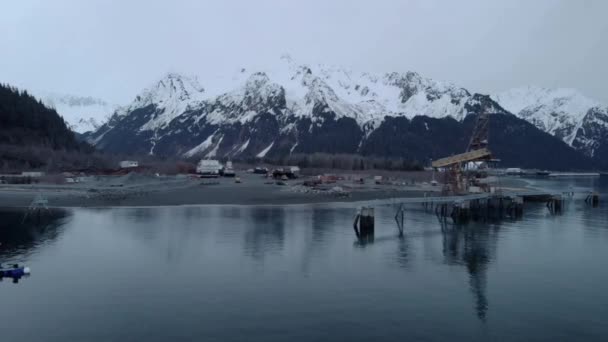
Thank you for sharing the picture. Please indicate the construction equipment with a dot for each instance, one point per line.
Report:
(477, 150)
(479, 137)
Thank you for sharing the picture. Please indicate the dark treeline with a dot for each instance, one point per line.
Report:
(33, 136)
(15, 158)
(24, 120)
(341, 161)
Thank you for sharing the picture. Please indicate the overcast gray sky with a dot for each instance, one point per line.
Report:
(112, 49)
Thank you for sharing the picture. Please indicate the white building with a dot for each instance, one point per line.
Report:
(128, 163)
(209, 167)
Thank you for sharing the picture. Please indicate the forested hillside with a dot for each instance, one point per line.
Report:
(33, 136)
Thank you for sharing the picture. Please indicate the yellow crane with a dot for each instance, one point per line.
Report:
(477, 150)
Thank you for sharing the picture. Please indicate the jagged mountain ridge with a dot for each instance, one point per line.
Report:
(290, 109)
(579, 121)
(364, 97)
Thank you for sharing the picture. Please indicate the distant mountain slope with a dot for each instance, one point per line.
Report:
(301, 109)
(514, 141)
(29, 131)
(565, 113)
(82, 114)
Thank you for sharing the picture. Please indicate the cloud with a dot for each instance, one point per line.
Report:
(112, 49)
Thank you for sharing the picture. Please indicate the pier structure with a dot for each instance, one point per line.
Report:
(482, 207)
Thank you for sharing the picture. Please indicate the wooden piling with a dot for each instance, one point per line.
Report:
(518, 206)
(366, 222)
(593, 198)
(555, 205)
(364, 225)
(400, 219)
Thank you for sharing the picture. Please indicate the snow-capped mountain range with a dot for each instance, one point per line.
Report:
(579, 121)
(81, 113)
(295, 108)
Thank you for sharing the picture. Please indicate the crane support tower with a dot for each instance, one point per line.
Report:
(477, 150)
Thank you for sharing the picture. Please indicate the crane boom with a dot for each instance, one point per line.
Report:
(474, 155)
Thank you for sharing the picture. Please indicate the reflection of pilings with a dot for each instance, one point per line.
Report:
(441, 210)
(477, 282)
(472, 247)
(403, 252)
(428, 205)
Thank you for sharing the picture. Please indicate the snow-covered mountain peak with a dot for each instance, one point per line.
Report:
(256, 89)
(173, 85)
(365, 96)
(564, 100)
(293, 89)
(560, 111)
(171, 95)
(255, 95)
(257, 79)
(82, 113)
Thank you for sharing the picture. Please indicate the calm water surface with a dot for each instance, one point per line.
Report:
(221, 273)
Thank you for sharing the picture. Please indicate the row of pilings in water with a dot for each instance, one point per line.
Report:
(492, 208)
(484, 209)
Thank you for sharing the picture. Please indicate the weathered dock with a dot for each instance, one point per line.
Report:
(489, 206)
(472, 207)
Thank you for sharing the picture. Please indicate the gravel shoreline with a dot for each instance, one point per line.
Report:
(149, 191)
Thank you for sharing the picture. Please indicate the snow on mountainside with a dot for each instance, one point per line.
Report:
(171, 95)
(82, 114)
(565, 113)
(293, 108)
(556, 111)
